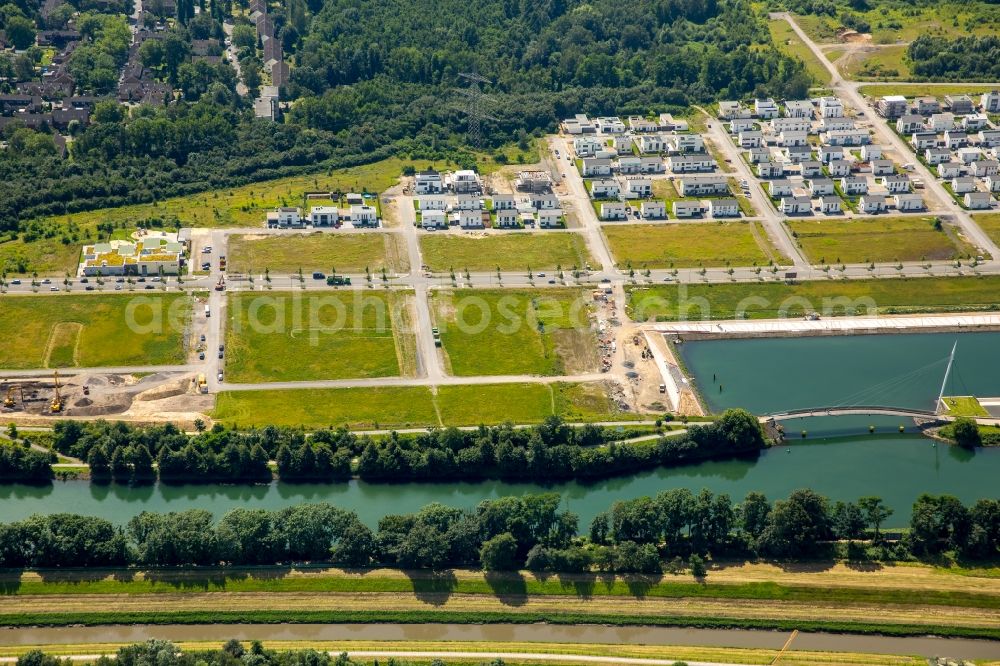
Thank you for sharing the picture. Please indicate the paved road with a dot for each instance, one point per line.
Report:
(848, 91)
(443, 380)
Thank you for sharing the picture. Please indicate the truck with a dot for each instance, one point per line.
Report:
(337, 280)
(208, 311)
(202, 384)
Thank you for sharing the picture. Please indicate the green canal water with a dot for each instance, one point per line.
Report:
(838, 458)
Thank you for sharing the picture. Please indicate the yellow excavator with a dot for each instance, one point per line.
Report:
(57, 403)
(8, 401)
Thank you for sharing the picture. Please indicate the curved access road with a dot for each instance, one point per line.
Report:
(579, 636)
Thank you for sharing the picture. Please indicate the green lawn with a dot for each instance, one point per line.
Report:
(887, 296)
(964, 405)
(788, 42)
(320, 251)
(920, 89)
(515, 331)
(904, 22)
(357, 408)
(417, 407)
(510, 251)
(881, 239)
(688, 244)
(57, 330)
(887, 62)
(292, 336)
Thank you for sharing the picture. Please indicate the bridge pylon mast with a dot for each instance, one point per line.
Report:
(947, 371)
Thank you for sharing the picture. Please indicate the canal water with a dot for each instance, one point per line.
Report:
(837, 458)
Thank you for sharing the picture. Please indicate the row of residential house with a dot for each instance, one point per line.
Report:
(897, 106)
(357, 213)
(505, 211)
(580, 124)
(645, 144)
(464, 181)
(657, 210)
(768, 109)
(266, 106)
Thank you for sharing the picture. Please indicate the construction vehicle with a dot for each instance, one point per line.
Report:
(8, 400)
(202, 384)
(221, 284)
(57, 404)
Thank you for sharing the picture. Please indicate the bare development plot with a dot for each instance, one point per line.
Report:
(507, 251)
(515, 331)
(990, 223)
(692, 244)
(878, 240)
(292, 336)
(788, 42)
(319, 251)
(61, 331)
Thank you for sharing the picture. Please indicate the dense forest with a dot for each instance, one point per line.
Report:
(126, 454)
(965, 58)
(530, 531)
(378, 79)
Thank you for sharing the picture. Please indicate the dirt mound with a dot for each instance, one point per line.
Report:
(854, 37)
(168, 390)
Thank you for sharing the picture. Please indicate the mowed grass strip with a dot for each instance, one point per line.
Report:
(356, 408)
(922, 89)
(514, 331)
(684, 245)
(60, 330)
(832, 298)
(319, 251)
(990, 223)
(515, 251)
(290, 336)
(785, 39)
(882, 239)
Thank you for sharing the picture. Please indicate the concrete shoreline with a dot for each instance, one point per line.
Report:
(779, 328)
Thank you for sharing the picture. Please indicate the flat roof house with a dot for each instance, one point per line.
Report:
(854, 185)
(882, 167)
(810, 168)
(653, 210)
(550, 219)
(837, 168)
(723, 208)
(433, 219)
(638, 188)
(507, 218)
(684, 209)
(963, 184)
(702, 185)
(428, 182)
(959, 104)
(324, 216)
(596, 166)
(892, 106)
(364, 216)
(896, 183)
(796, 205)
(779, 188)
(908, 202)
(978, 200)
(651, 165)
(612, 210)
(909, 124)
(765, 108)
(770, 170)
(949, 169)
(871, 151)
(604, 189)
(689, 163)
(831, 107)
(798, 108)
(431, 203)
(285, 217)
(935, 156)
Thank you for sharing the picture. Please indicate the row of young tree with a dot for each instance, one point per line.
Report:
(531, 531)
(232, 653)
(548, 452)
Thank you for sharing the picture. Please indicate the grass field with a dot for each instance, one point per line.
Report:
(886, 296)
(990, 223)
(58, 331)
(921, 89)
(887, 62)
(288, 336)
(964, 405)
(905, 22)
(515, 331)
(509, 251)
(825, 596)
(788, 42)
(880, 239)
(417, 406)
(349, 252)
(688, 244)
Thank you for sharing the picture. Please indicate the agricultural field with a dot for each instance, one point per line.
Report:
(515, 331)
(417, 406)
(62, 331)
(509, 251)
(57, 247)
(881, 239)
(689, 244)
(829, 297)
(318, 251)
(340, 335)
(788, 42)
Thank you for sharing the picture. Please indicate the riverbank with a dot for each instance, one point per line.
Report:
(898, 600)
